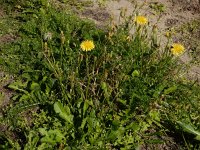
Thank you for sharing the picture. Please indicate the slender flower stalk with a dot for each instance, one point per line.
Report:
(62, 39)
(86, 46)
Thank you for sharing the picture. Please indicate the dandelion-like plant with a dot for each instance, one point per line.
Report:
(177, 49)
(141, 20)
(87, 45)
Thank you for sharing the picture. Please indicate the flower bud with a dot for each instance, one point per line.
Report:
(62, 37)
(47, 36)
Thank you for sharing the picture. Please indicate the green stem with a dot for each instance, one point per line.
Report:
(87, 67)
(88, 77)
(62, 50)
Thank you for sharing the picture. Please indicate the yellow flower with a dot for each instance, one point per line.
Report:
(177, 49)
(87, 45)
(141, 20)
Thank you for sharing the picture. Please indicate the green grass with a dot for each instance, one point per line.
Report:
(109, 98)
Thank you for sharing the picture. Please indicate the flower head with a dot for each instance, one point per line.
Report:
(87, 45)
(177, 49)
(141, 20)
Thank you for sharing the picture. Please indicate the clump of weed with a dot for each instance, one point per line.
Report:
(86, 88)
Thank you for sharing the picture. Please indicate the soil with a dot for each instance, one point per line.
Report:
(1, 13)
(5, 94)
(7, 38)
